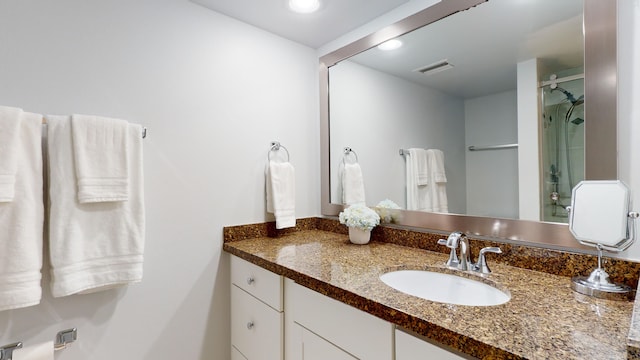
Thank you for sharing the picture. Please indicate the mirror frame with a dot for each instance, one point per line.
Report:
(600, 67)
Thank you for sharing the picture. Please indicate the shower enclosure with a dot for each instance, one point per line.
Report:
(562, 103)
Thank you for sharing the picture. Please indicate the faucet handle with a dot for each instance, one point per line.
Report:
(453, 257)
(482, 266)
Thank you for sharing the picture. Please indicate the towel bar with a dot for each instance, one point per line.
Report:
(347, 151)
(275, 146)
(492, 147)
(63, 339)
(144, 135)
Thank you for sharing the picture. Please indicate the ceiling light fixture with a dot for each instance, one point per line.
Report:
(390, 45)
(304, 6)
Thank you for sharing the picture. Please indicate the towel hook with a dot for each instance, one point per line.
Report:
(347, 151)
(275, 146)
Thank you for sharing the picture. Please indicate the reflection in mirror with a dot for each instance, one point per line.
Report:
(600, 218)
(454, 84)
(497, 185)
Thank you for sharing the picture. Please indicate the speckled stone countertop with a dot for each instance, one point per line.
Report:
(544, 319)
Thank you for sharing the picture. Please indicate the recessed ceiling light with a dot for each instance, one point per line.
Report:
(304, 6)
(390, 45)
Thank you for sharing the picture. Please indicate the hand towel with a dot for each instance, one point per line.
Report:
(92, 246)
(281, 193)
(417, 194)
(100, 154)
(9, 141)
(21, 222)
(42, 351)
(438, 180)
(352, 185)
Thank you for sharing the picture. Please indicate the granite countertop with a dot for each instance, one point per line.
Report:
(544, 319)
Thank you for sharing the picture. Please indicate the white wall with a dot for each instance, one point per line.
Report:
(628, 104)
(213, 92)
(411, 115)
(492, 120)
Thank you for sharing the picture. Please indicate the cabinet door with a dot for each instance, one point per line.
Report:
(409, 347)
(361, 334)
(256, 329)
(316, 348)
(236, 355)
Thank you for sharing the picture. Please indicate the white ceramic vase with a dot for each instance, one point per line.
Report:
(359, 236)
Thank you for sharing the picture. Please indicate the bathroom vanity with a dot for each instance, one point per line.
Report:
(332, 303)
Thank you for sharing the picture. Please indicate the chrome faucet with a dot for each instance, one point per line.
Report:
(464, 261)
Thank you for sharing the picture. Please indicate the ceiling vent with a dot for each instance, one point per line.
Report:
(436, 67)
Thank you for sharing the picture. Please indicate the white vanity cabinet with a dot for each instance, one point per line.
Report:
(319, 327)
(409, 347)
(257, 318)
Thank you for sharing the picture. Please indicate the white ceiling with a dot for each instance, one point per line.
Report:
(485, 44)
(334, 19)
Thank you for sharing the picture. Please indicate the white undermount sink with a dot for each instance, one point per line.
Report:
(445, 288)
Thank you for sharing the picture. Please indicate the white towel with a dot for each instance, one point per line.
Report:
(9, 141)
(436, 159)
(352, 185)
(21, 222)
(422, 174)
(417, 195)
(93, 246)
(100, 153)
(438, 179)
(281, 193)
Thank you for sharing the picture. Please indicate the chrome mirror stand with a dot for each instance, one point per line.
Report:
(599, 216)
(598, 285)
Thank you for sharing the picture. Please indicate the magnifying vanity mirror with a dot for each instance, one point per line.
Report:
(538, 76)
(600, 217)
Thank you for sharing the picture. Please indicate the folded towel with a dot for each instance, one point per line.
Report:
(92, 246)
(9, 142)
(352, 185)
(281, 193)
(422, 163)
(22, 221)
(438, 188)
(436, 165)
(417, 194)
(100, 154)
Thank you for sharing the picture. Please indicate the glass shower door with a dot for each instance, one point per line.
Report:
(562, 146)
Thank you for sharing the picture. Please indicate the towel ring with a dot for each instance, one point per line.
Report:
(275, 146)
(347, 151)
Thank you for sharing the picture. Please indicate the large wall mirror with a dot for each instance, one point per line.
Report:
(519, 96)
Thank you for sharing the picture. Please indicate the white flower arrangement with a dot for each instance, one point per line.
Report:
(359, 216)
(387, 210)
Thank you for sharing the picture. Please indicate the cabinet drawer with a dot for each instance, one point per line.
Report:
(256, 329)
(257, 281)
